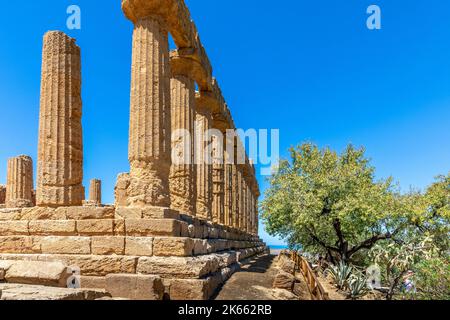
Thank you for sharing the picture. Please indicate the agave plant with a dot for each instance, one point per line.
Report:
(357, 285)
(340, 274)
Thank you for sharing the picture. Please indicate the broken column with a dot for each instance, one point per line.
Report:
(150, 117)
(60, 150)
(19, 185)
(183, 170)
(204, 161)
(95, 192)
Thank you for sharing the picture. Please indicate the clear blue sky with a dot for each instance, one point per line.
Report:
(309, 68)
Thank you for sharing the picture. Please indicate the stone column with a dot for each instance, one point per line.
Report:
(218, 210)
(19, 185)
(183, 171)
(228, 205)
(235, 196)
(95, 192)
(150, 118)
(203, 159)
(2, 194)
(60, 150)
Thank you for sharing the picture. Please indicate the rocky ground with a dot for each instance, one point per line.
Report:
(255, 282)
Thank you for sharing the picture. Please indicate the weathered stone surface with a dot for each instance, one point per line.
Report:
(88, 213)
(33, 292)
(19, 244)
(183, 169)
(135, 287)
(189, 289)
(204, 162)
(90, 265)
(139, 246)
(90, 282)
(284, 280)
(95, 227)
(66, 245)
(152, 227)
(19, 186)
(171, 246)
(60, 158)
(2, 194)
(178, 267)
(146, 213)
(108, 245)
(52, 227)
(149, 146)
(13, 228)
(37, 273)
(287, 266)
(95, 192)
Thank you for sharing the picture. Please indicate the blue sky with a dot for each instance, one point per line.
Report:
(309, 68)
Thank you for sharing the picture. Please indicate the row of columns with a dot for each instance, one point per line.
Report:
(163, 101)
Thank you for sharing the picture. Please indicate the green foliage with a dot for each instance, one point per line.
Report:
(357, 285)
(396, 260)
(432, 278)
(329, 203)
(340, 274)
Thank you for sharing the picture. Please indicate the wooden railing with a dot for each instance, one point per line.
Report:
(314, 286)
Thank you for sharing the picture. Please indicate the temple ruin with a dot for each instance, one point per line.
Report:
(181, 224)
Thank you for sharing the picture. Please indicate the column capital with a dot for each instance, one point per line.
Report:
(187, 63)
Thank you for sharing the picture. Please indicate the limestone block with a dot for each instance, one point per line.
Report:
(284, 280)
(90, 265)
(52, 227)
(95, 227)
(66, 245)
(171, 246)
(135, 287)
(90, 282)
(152, 227)
(38, 273)
(189, 289)
(38, 213)
(24, 292)
(287, 266)
(88, 213)
(10, 214)
(138, 246)
(99, 265)
(178, 267)
(13, 228)
(19, 244)
(119, 227)
(108, 245)
(200, 247)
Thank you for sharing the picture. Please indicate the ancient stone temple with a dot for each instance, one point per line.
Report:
(185, 216)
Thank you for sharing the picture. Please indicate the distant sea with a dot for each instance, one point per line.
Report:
(276, 249)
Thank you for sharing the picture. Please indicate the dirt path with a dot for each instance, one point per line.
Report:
(254, 282)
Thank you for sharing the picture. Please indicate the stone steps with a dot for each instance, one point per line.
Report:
(118, 245)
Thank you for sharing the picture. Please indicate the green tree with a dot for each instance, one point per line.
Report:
(331, 204)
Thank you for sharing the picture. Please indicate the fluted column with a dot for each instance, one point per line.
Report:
(95, 192)
(218, 210)
(19, 185)
(228, 197)
(60, 147)
(150, 118)
(203, 159)
(183, 170)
